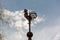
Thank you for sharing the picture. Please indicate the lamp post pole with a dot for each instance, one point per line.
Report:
(29, 34)
(29, 18)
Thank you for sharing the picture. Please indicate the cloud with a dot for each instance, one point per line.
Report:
(10, 20)
(16, 36)
(48, 33)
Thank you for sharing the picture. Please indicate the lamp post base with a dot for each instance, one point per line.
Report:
(29, 35)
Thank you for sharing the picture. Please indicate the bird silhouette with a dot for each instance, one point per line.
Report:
(25, 13)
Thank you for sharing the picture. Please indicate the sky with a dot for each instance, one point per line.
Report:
(45, 27)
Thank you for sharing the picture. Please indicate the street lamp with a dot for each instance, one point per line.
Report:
(29, 16)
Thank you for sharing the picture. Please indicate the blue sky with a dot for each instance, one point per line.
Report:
(49, 8)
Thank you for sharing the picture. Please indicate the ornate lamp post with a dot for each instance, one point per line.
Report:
(32, 15)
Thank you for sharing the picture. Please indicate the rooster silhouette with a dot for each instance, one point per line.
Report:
(28, 17)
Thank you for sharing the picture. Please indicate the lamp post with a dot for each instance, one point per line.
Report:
(32, 15)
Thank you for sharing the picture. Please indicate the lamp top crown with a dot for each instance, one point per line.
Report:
(32, 14)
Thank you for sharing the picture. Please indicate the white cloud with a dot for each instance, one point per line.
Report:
(38, 19)
(48, 33)
(16, 36)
